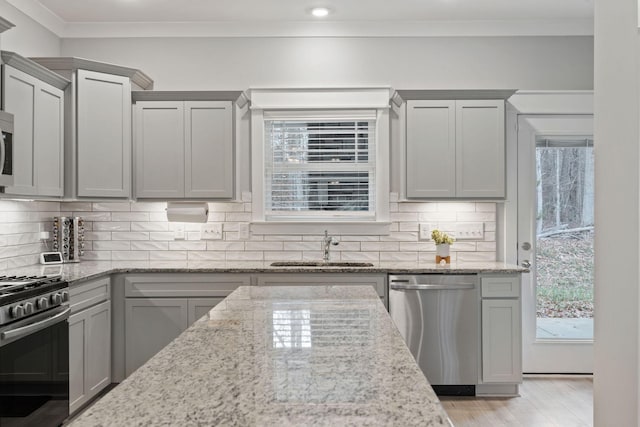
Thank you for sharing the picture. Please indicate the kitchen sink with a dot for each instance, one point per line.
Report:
(320, 264)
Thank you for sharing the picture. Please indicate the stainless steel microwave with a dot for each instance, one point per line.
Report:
(6, 149)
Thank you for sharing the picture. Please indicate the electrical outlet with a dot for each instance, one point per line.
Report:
(425, 231)
(243, 231)
(178, 232)
(211, 231)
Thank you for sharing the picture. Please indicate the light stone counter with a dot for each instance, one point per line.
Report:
(279, 356)
(76, 273)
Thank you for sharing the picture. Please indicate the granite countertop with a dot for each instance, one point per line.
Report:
(288, 356)
(86, 270)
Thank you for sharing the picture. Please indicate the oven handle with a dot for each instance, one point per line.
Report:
(3, 150)
(430, 287)
(34, 327)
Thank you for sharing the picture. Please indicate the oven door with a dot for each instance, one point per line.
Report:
(34, 370)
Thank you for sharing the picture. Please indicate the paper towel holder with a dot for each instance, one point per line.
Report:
(187, 211)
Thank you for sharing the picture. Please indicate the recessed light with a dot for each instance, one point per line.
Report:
(319, 12)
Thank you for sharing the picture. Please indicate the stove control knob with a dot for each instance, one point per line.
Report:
(16, 311)
(28, 308)
(42, 303)
(65, 296)
(56, 299)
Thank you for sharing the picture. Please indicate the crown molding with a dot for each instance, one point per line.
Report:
(5, 25)
(201, 95)
(34, 69)
(548, 27)
(70, 63)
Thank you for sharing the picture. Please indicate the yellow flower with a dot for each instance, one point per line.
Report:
(440, 238)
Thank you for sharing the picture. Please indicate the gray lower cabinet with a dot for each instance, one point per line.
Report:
(501, 330)
(159, 307)
(89, 342)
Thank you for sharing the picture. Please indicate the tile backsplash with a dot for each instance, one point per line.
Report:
(139, 231)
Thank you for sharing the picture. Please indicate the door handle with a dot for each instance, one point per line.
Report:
(526, 263)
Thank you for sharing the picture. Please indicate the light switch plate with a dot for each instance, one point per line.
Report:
(178, 232)
(243, 231)
(211, 231)
(425, 231)
(470, 231)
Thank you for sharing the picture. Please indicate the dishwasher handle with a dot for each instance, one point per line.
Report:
(429, 287)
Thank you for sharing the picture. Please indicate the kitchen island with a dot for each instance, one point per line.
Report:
(321, 355)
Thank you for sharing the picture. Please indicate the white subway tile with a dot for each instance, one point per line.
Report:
(264, 246)
(110, 245)
(111, 226)
(97, 255)
(157, 216)
(456, 207)
(168, 256)
(22, 261)
(463, 246)
(129, 255)
(489, 236)
(221, 245)
(283, 256)
(226, 207)
(312, 255)
(417, 207)
(379, 246)
(149, 245)
(417, 246)
(112, 206)
(476, 256)
(302, 246)
(490, 226)
(403, 216)
(76, 206)
(393, 196)
(22, 239)
(97, 235)
(486, 247)
(360, 256)
(216, 217)
(399, 256)
(161, 235)
(400, 236)
(245, 196)
(130, 216)
(476, 216)
(129, 235)
(94, 216)
(238, 217)
(244, 256)
(394, 207)
(346, 246)
(206, 256)
(183, 245)
(437, 216)
(150, 226)
(149, 207)
(408, 226)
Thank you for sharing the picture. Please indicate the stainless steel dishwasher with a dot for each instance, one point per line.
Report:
(438, 316)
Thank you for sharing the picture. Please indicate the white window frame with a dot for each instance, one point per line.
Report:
(267, 103)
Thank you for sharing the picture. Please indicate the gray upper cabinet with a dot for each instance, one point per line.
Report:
(184, 149)
(97, 126)
(35, 96)
(455, 149)
(103, 145)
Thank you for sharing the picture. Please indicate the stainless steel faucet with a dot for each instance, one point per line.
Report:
(326, 245)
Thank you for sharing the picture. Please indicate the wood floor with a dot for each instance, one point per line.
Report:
(549, 401)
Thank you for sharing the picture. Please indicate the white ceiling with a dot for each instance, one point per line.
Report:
(95, 18)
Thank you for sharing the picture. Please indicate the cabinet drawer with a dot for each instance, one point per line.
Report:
(500, 287)
(183, 285)
(89, 294)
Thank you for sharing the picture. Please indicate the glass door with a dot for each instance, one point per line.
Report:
(555, 237)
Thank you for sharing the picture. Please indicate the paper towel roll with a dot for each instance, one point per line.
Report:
(187, 211)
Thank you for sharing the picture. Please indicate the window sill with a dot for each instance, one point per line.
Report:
(370, 228)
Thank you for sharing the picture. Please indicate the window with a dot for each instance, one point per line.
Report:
(320, 160)
(318, 168)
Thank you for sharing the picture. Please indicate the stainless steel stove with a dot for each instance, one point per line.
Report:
(34, 350)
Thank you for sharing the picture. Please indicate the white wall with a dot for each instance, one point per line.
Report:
(617, 239)
(28, 38)
(455, 62)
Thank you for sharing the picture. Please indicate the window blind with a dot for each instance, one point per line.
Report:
(320, 167)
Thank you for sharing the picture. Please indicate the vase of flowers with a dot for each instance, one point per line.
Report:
(443, 243)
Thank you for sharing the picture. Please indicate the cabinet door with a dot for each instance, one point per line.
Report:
(501, 341)
(19, 92)
(159, 142)
(209, 167)
(98, 342)
(430, 150)
(77, 357)
(151, 324)
(49, 140)
(103, 139)
(198, 307)
(480, 148)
